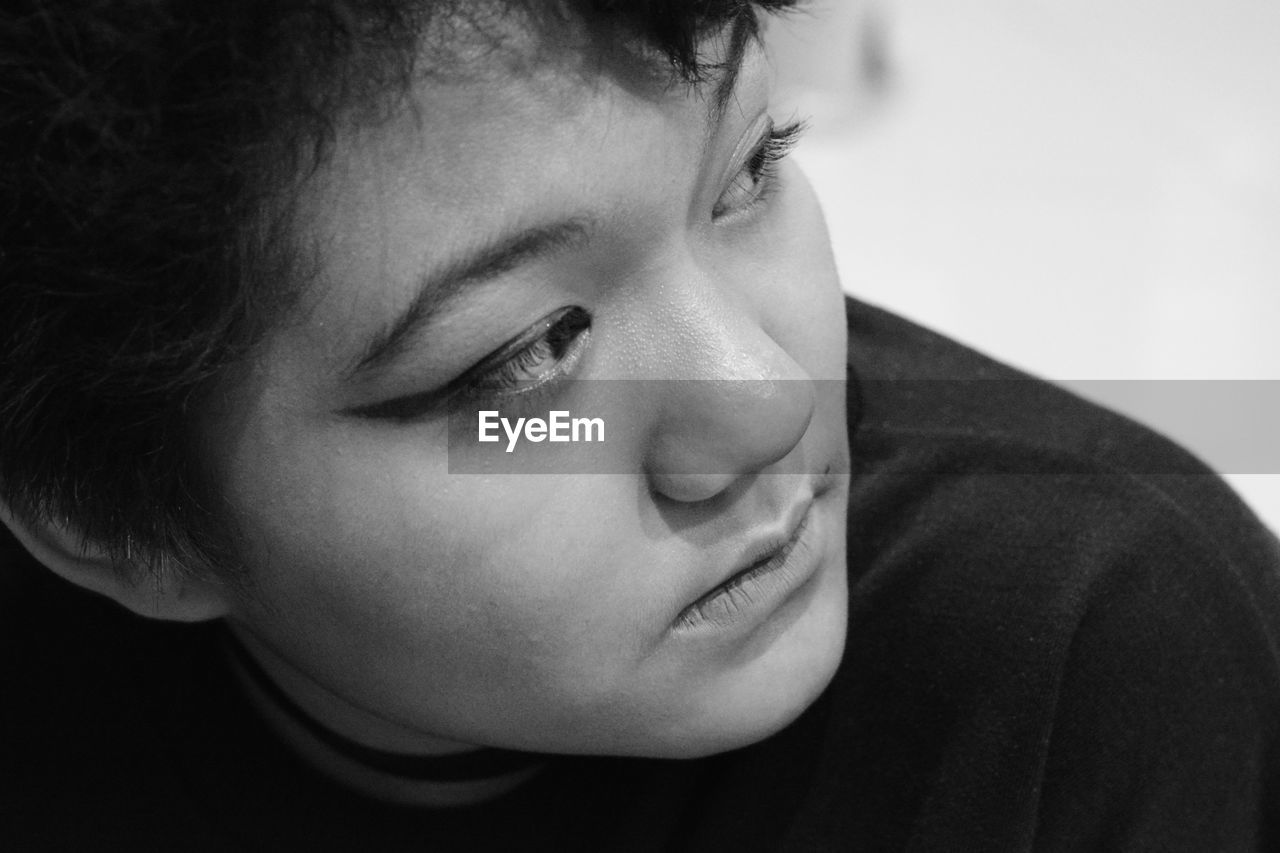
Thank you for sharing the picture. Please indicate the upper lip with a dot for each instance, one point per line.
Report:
(761, 547)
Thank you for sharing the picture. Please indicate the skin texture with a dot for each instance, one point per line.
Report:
(417, 610)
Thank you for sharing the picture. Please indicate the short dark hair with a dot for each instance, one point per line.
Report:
(145, 151)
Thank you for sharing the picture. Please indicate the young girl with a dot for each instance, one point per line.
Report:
(304, 304)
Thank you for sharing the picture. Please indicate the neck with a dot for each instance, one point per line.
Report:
(430, 773)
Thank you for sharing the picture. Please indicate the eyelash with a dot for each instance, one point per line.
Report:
(561, 336)
(762, 167)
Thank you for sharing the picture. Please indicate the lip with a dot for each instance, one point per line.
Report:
(767, 574)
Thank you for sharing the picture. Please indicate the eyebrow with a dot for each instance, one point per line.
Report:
(436, 290)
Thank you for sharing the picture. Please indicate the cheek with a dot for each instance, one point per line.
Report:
(801, 285)
(382, 556)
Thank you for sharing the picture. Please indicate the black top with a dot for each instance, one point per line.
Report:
(1063, 636)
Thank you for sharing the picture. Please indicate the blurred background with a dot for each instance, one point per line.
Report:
(1088, 190)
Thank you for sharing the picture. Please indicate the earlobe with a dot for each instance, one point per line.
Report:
(169, 593)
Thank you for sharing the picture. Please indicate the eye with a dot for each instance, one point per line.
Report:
(758, 175)
(548, 350)
(545, 351)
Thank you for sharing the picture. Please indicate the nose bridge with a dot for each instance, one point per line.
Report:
(738, 404)
(711, 329)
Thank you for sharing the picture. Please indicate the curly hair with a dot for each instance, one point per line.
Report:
(146, 150)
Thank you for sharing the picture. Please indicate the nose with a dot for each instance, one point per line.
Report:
(745, 406)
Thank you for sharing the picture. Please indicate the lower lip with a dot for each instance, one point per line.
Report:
(752, 596)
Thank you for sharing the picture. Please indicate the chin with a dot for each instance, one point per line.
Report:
(760, 698)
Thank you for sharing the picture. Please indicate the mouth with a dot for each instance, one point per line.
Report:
(769, 574)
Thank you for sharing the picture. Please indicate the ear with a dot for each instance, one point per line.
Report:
(171, 594)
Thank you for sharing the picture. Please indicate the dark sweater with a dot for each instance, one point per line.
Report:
(1063, 635)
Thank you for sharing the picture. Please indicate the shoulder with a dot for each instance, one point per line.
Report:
(948, 442)
(85, 736)
(1066, 621)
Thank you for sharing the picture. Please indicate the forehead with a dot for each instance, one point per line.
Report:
(479, 79)
(525, 127)
(454, 136)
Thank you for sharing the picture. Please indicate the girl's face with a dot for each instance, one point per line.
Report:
(559, 226)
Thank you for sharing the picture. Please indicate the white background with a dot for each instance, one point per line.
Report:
(1085, 189)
